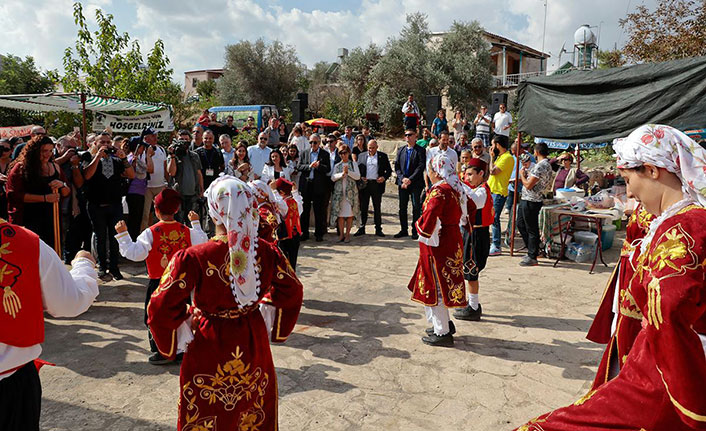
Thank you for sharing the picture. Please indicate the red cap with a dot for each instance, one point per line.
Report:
(167, 201)
(284, 186)
(477, 163)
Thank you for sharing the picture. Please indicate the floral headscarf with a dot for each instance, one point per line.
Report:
(265, 192)
(442, 165)
(668, 148)
(231, 202)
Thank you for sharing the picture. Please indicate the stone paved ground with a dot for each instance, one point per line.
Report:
(355, 360)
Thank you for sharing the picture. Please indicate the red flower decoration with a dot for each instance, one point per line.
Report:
(647, 139)
(246, 243)
(659, 133)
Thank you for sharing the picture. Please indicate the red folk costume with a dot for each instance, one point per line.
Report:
(619, 331)
(661, 383)
(227, 378)
(269, 215)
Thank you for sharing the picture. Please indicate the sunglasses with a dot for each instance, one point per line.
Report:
(477, 147)
(407, 135)
(263, 139)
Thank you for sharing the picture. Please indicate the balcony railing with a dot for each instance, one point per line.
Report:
(515, 79)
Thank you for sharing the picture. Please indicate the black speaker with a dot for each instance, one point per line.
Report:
(433, 106)
(498, 99)
(304, 98)
(297, 111)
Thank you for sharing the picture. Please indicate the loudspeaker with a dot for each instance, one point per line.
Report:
(297, 111)
(433, 105)
(498, 99)
(304, 98)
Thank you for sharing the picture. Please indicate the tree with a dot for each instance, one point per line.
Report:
(675, 29)
(107, 63)
(206, 89)
(18, 76)
(356, 69)
(260, 73)
(610, 58)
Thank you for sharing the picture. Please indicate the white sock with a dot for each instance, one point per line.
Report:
(473, 300)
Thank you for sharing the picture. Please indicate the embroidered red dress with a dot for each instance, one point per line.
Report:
(629, 318)
(661, 384)
(268, 224)
(227, 378)
(440, 267)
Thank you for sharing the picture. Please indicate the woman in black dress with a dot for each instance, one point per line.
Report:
(34, 184)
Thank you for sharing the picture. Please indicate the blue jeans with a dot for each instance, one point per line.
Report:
(498, 205)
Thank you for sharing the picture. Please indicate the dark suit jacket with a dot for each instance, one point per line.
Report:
(417, 165)
(321, 179)
(384, 169)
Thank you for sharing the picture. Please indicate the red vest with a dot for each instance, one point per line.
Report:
(22, 312)
(291, 222)
(486, 215)
(167, 239)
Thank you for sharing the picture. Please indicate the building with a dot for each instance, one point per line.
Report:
(513, 61)
(193, 77)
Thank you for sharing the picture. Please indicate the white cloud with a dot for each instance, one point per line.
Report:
(195, 33)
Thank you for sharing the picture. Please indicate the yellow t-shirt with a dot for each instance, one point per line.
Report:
(498, 183)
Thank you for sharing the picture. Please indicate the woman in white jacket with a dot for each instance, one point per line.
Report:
(275, 168)
(345, 205)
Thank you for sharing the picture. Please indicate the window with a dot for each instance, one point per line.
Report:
(194, 81)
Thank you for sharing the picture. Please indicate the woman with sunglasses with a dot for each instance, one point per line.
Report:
(344, 201)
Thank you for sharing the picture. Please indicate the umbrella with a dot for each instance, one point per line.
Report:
(322, 122)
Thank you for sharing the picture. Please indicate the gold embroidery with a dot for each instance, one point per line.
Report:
(193, 423)
(531, 425)
(455, 264)
(222, 271)
(10, 301)
(420, 284)
(631, 309)
(4, 249)
(584, 398)
(654, 303)
(686, 412)
(667, 251)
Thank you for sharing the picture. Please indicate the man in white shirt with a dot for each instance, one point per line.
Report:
(259, 154)
(502, 121)
(157, 179)
(411, 112)
(444, 148)
(374, 169)
(482, 123)
(35, 280)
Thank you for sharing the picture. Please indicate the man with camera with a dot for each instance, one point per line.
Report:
(103, 187)
(184, 166)
(212, 163)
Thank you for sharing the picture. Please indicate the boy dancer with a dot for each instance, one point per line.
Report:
(290, 230)
(157, 244)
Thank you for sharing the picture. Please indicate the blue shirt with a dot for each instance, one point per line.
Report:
(349, 141)
(406, 164)
(439, 125)
(314, 157)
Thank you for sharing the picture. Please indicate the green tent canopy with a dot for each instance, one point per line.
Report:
(600, 105)
(71, 102)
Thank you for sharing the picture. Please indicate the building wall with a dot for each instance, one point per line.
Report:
(191, 79)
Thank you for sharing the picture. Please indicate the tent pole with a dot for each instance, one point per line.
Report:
(518, 144)
(83, 112)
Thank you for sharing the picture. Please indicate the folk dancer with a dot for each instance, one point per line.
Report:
(228, 348)
(290, 229)
(33, 279)
(270, 209)
(476, 240)
(661, 383)
(438, 279)
(156, 245)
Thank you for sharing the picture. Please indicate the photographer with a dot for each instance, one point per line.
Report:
(103, 177)
(75, 223)
(157, 179)
(212, 163)
(184, 167)
(140, 158)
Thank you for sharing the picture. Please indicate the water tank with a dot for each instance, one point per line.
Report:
(584, 36)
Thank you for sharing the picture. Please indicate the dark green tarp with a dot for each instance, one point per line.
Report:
(600, 105)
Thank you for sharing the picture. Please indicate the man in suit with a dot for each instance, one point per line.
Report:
(374, 171)
(314, 165)
(409, 166)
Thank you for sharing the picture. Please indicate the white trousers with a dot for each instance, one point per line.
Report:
(438, 315)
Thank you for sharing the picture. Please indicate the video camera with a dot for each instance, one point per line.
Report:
(178, 148)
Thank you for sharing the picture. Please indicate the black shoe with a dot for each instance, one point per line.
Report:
(304, 237)
(104, 275)
(360, 232)
(116, 274)
(415, 236)
(401, 234)
(179, 357)
(157, 359)
(379, 233)
(468, 313)
(319, 238)
(441, 341)
(452, 329)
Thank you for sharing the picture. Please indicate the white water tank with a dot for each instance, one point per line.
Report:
(584, 36)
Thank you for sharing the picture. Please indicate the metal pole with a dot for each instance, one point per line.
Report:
(83, 112)
(518, 144)
(544, 33)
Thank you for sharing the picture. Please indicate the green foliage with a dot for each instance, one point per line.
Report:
(610, 58)
(18, 76)
(343, 107)
(107, 63)
(206, 89)
(260, 73)
(356, 70)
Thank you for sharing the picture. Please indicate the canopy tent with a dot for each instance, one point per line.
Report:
(601, 105)
(72, 102)
(604, 104)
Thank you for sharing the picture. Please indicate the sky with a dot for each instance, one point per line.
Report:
(195, 33)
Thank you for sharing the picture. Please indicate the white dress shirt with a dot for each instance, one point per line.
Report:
(450, 153)
(137, 251)
(268, 173)
(371, 167)
(64, 294)
(258, 157)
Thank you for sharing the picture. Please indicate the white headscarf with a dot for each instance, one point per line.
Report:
(442, 165)
(231, 202)
(668, 148)
(265, 192)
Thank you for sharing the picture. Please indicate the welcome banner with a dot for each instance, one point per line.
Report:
(161, 121)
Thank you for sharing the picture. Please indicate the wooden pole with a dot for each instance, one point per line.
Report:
(57, 228)
(518, 144)
(84, 133)
(578, 157)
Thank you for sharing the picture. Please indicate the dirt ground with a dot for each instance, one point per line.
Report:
(355, 360)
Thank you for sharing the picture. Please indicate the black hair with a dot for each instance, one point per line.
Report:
(542, 149)
(500, 140)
